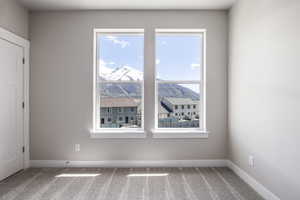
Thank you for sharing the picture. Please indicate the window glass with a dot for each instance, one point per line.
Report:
(167, 112)
(179, 60)
(119, 80)
(179, 54)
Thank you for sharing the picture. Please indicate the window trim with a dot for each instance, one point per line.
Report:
(183, 132)
(97, 132)
(121, 134)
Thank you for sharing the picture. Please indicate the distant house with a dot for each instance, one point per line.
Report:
(163, 111)
(181, 108)
(119, 112)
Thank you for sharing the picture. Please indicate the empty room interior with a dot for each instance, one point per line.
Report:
(149, 100)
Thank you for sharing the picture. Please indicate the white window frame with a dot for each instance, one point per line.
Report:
(97, 131)
(200, 132)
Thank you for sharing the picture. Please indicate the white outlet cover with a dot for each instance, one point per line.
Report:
(251, 161)
(77, 147)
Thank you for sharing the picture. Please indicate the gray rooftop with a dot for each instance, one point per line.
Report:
(181, 101)
(162, 110)
(119, 102)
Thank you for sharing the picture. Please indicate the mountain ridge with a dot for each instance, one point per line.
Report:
(127, 73)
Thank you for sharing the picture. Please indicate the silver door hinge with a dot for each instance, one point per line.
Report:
(23, 104)
(23, 60)
(23, 149)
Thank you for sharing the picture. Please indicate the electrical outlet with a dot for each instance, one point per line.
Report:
(251, 161)
(77, 147)
(67, 163)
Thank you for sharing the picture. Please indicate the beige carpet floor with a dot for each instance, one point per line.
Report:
(126, 184)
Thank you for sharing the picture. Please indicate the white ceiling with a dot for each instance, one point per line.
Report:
(125, 4)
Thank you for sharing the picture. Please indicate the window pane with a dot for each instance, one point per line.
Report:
(178, 105)
(120, 105)
(132, 90)
(178, 57)
(120, 71)
(120, 57)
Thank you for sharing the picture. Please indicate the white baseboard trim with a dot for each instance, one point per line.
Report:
(258, 187)
(129, 163)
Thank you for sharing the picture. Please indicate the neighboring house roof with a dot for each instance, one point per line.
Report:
(110, 102)
(162, 110)
(180, 101)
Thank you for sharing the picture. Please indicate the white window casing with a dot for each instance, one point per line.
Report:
(201, 132)
(97, 131)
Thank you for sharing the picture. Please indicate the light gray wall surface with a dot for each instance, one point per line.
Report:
(264, 92)
(14, 17)
(61, 85)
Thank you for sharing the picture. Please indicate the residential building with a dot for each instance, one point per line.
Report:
(119, 112)
(163, 111)
(182, 108)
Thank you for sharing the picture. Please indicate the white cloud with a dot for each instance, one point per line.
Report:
(157, 61)
(163, 42)
(115, 40)
(103, 63)
(195, 65)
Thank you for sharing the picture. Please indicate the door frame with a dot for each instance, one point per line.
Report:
(25, 44)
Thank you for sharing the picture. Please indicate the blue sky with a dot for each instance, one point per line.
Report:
(177, 57)
(117, 51)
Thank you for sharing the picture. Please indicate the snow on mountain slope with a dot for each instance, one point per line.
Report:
(127, 73)
(104, 71)
(124, 73)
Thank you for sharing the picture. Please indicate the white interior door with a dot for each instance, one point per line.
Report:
(11, 109)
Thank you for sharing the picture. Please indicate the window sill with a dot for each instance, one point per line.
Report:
(186, 133)
(122, 134)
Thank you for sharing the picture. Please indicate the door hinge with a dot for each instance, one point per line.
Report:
(23, 60)
(23, 149)
(23, 104)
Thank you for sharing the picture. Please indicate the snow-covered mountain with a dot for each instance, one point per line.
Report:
(124, 73)
(127, 73)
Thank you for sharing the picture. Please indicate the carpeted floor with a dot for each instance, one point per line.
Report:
(126, 184)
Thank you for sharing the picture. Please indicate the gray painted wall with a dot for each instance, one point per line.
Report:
(264, 92)
(14, 17)
(61, 85)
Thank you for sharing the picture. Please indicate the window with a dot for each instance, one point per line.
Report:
(119, 82)
(180, 69)
(118, 79)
